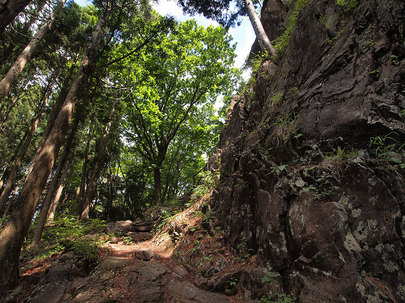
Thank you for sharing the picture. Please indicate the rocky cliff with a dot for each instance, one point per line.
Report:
(312, 159)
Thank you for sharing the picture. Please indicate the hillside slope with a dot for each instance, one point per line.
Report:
(312, 159)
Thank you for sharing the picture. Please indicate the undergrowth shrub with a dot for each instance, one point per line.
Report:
(281, 42)
(68, 234)
(207, 182)
(347, 5)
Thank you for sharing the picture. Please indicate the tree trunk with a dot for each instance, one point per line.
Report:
(23, 150)
(89, 194)
(7, 111)
(56, 198)
(9, 9)
(51, 201)
(157, 190)
(31, 17)
(25, 56)
(55, 111)
(12, 236)
(82, 190)
(261, 35)
(54, 184)
(111, 197)
(15, 192)
(92, 184)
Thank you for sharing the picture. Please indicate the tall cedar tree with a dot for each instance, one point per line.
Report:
(13, 234)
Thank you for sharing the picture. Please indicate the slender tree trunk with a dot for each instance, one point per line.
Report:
(58, 193)
(12, 235)
(55, 111)
(51, 200)
(110, 199)
(95, 172)
(23, 150)
(11, 76)
(54, 184)
(8, 168)
(91, 189)
(32, 16)
(261, 35)
(6, 109)
(157, 190)
(15, 192)
(9, 9)
(82, 190)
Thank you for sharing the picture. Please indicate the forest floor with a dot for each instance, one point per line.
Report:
(185, 260)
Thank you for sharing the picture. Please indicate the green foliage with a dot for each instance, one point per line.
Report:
(206, 183)
(165, 217)
(382, 144)
(269, 278)
(347, 5)
(166, 76)
(257, 61)
(243, 250)
(128, 240)
(277, 98)
(205, 259)
(171, 122)
(281, 42)
(387, 148)
(285, 128)
(395, 60)
(274, 296)
(287, 119)
(88, 249)
(338, 155)
(323, 187)
(232, 281)
(282, 167)
(327, 21)
(69, 234)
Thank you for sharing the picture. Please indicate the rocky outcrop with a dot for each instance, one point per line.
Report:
(119, 279)
(312, 158)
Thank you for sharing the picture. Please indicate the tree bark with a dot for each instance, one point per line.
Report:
(15, 70)
(9, 9)
(63, 163)
(12, 236)
(82, 192)
(261, 35)
(23, 150)
(157, 187)
(6, 109)
(92, 184)
(51, 200)
(55, 111)
(58, 193)
(31, 17)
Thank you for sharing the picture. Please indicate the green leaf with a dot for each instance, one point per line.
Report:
(282, 167)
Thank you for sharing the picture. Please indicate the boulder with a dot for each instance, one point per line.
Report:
(118, 227)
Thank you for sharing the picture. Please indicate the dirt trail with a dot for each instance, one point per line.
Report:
(140, 272)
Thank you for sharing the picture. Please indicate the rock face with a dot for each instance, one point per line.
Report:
(312, 159)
